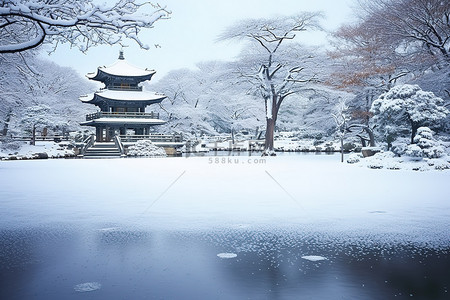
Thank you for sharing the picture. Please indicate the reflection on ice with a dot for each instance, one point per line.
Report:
(227, 255)
(314, 257)
(87, 287)
(133, 262)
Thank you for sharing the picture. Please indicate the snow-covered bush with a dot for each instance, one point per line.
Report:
(379, 160)
(399, 148)
(354, 158)
(10, 145)
(146, 148)
(439, 164)
(414, 151)
(383, 155)
(80, 136)
(425, 145)
(430, 147)
(406, 105)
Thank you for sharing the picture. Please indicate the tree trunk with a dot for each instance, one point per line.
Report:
(268, 145)
(6, 126)
(342, 149)
(371, 136)
(270, 127)
(363, 141)
(414, 127)
(33, 135)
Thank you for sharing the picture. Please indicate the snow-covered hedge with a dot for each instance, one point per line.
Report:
(354, 158)
(430, 146)
(389, 160)
(425, 145)
(146, 148)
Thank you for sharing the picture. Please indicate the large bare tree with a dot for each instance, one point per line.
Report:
(422, 27)
(26, 24)
(391, 39)
(275, 79)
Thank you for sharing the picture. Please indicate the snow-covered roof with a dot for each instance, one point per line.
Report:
(122, 68)
(119, 121)
(123, 96)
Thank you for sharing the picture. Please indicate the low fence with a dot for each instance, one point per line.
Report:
(55, 138)
(167, 138)
(138, 115)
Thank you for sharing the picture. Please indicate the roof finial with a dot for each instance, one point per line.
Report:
(121, 57)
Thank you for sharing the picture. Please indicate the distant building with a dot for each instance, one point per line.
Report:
(122, 120)
(122, 102)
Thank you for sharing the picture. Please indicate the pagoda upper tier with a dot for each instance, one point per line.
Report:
(119, 98)
(122, 92)
(120, 73)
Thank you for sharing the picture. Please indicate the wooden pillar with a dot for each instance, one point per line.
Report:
(98, 134)
(108, 135)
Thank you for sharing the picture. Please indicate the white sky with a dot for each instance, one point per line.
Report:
(189, 37)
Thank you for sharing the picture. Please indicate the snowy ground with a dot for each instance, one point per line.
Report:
(315, 192)
(288, 227)
(388, 160)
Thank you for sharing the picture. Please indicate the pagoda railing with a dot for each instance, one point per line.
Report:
(132, 115)
(87, 143)
(124, 88)
(155, 137)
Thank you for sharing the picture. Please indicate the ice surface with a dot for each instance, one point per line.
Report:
(87, 287)
(227, 255)
(314, 258)
(308, 193)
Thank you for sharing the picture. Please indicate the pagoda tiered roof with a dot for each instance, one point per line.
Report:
(141, 97)
(121, 68)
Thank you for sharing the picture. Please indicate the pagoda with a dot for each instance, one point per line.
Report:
(122, 102)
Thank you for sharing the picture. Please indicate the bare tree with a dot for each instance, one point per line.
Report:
(421, 27)
(392, 40)
(34, 117)
(341, 118)
(26, 24)
(274, 79)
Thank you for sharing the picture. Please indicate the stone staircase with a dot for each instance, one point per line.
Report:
(103, 150)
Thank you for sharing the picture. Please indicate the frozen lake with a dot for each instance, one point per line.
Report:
(289, 227)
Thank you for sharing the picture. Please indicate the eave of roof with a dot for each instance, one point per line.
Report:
(138, 96)
(121, 68)
(123, 121)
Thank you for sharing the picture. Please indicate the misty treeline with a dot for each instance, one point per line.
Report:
(390, 42)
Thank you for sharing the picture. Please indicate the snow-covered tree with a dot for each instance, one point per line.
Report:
(341, 118)
(206, 101)
(430, 147)
(36, 117)
(420, 27)
(26, 24)
(407, 105)
(275, 78)
(425, 145)
(39, 82)
(393, 42)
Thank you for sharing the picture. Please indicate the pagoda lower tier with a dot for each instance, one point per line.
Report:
(109, 124)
